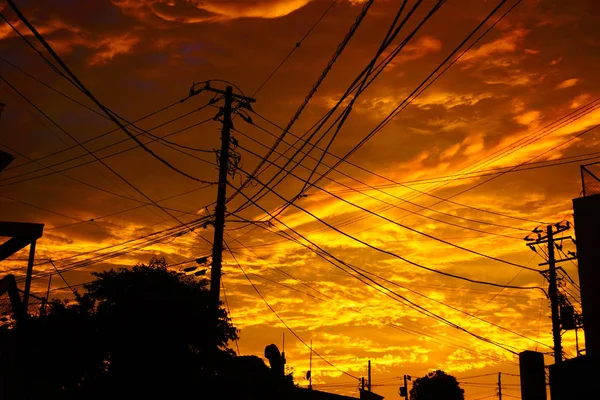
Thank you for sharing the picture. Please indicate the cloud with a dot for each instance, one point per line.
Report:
(449, 100)
(567, 83)
(492, 52)
(528, 117)
(194, 11)
(424, 46)
(109, 47)
(580, 100)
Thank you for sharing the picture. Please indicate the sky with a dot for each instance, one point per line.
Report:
(446, 184)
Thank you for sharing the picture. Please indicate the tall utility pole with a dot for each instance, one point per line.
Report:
(499, 385)
(547, 237)
(219, 221)
(553, 294)
(217, 253)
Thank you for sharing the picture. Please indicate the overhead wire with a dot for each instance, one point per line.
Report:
(369, 282)
(402, 200)
(394, 182)
(100, 158)
(296, 47)
(79, 85)
(396, 296)
(330, 226)
(394, 112)
(312, 91)
(353, 87)
(281, 319)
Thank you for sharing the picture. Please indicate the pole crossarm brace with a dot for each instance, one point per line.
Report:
(208, 88)
(559, 261)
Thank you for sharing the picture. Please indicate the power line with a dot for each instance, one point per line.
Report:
(357, 270)
(395, 111)
(281, 319)
(355, 84)
(237, 346)
(296, 47)
(78, 84)
(388, 220)
(99, 158)
(402, 200)
(407, 302)
(94, 219)
(403, 184)
(375, 247)
(311, 93)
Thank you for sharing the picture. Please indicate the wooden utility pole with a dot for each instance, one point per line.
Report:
(219, 222)
(224, 169)
(547, 236)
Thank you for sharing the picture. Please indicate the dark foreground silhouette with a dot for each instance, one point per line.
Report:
(135, 333)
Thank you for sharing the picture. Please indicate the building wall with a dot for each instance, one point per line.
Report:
(587, 232)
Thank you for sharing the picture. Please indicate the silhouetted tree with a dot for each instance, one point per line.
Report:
(142, 333)
(436, 386)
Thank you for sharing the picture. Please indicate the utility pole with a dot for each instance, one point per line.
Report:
(553, 294)
(310, 367)
(369, 377)
(547, 236)
(224, 169)
(219, 223)
(499, 385)
(404, 389)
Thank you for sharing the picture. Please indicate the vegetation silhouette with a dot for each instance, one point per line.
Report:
(143, 332)
(436, 385)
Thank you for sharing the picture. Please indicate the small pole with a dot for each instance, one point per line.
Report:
(369, 377)
(362, 382)
(405, 387)
(577, 341)
(310, 367)
(283, 352)
(499, 385)
(47, 295)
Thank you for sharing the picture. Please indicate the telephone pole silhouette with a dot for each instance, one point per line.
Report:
(224, 169)
(548, 237)
(553, 293)
(499, 385)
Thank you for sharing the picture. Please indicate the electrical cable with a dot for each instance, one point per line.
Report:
(296, 47)
(395, 111)
(281, 319)
(388, 220)
(77, 83)
(319, 124)
(402, 200)
(312, 91)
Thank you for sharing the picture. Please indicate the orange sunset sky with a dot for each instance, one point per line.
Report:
(524, 95)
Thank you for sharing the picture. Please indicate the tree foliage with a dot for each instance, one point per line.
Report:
(436, 385)
(140, 332)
